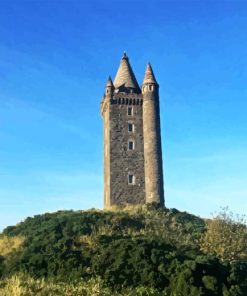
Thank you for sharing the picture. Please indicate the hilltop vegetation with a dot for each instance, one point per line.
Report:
(136, 251)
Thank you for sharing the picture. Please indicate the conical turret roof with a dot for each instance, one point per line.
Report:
(149, 75)
(109, 82)
(125, 75)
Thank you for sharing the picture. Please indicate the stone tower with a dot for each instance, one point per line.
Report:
(133, 171)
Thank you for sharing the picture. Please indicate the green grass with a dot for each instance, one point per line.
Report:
(142, 250)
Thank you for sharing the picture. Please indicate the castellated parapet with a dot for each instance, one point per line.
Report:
(133, 171)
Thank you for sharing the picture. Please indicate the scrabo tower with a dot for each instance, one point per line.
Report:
(132, 142)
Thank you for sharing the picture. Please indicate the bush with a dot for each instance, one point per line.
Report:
(143, 250)
(225, 237)
(132, 262)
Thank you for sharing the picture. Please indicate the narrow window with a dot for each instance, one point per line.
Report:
(130, 127)
(131, 179)
(130, 111)
(131, 145)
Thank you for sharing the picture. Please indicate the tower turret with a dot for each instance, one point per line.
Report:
(152, 139)
(105, 112)
(109, 88)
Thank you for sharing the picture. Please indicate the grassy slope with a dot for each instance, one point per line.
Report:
(124, 248)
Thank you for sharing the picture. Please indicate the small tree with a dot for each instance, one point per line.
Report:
(225, 237)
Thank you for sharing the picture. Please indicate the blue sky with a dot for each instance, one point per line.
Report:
(55, 57)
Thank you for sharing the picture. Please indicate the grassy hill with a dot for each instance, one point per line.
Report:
(142, 250)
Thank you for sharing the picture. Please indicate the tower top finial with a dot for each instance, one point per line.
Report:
(149, 75)
(124, 55)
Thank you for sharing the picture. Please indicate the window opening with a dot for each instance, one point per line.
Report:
(130, 127)
(131, 179)
(131, 145)
(130, 111)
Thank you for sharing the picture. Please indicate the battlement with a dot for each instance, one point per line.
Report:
(126, 101)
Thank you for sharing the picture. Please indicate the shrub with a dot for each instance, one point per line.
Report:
(225, 237)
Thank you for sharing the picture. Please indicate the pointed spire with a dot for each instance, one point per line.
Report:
(149, 75)
(125, 75)
(109, 82)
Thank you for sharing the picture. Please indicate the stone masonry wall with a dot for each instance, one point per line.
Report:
(122, 160)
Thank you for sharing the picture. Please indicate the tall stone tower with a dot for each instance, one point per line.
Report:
(133, 171)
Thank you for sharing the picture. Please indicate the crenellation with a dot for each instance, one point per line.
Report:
(126, 101)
